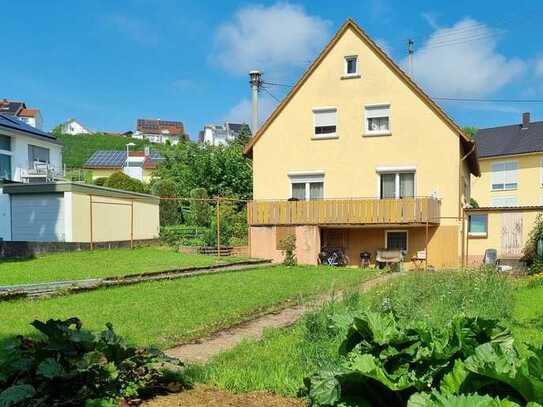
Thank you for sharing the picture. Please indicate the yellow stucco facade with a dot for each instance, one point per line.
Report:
(351, 162)
(529, 190)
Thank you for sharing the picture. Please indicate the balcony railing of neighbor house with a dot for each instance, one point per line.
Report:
(345, 211)
(39, 171)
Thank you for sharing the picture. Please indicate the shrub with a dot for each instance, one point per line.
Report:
(200, 209)
(70, 366)
(183, 235)
(120, 180)
(169, 209)
(100, 181)
(233, 224)
(530, 254)
(288, 246)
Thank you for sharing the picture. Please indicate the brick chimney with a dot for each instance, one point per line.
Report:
(525, 120)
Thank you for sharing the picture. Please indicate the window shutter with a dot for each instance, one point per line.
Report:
(377, 111)
(325, 117)
(511, 172)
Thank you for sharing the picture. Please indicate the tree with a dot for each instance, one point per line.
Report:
(470, 131)
(244, 135)
(200, 210)
(120, 180)
(169, 208)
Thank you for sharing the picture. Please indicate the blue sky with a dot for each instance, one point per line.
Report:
(108, 63)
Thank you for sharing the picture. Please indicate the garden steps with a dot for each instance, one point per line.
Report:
(37, 290)
(202, 350)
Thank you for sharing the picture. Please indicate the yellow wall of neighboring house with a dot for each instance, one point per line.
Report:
(111, 221)
(419, 138)
(100, 173)
(529, 190)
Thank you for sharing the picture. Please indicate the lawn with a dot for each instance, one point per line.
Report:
(166, 313)
(99, 263)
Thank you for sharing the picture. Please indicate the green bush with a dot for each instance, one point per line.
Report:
(120, 180)
(70, 366)
(386, 362)
(288, 246)
(530, 255)
(200, 210)
(100, 181)
(183, 235)
(169, 209)
(233, 221)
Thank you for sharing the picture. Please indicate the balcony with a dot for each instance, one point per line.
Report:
(41, 172)
(418, 210)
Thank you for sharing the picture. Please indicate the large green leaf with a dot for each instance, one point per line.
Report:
(449, 400)
(15, 394)
(324, 388)
(50, 369)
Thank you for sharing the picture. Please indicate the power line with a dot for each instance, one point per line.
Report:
(489, 100)
(269, 93)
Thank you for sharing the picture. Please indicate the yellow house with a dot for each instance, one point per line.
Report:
(510, 189)
(357, 156)
(139, 165)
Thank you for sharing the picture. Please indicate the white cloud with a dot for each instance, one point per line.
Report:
(241, 112)
(463, 61)
(269, 38)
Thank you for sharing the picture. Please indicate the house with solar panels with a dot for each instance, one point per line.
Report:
(139, 164)
(160, 131)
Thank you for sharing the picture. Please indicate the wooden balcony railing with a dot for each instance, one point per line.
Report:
(345, 211)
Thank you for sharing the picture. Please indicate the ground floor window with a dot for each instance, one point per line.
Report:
(5, 166)
(397, 185)
(307, 187)
(396, 239)
(478, 225)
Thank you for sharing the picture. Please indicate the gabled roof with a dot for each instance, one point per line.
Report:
(109, 159)
(156, 126)
(467, 144)
(11, 107)
(29, 113)
(510, 140)
(11, 123)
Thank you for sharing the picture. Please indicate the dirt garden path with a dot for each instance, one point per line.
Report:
(203, 349)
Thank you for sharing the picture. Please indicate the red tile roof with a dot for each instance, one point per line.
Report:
(152, 126)
(29, 112)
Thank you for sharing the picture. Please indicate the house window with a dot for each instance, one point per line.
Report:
(37, 154)
(504, 201)
(396, 240)
(478, 225)
(5, 167)
(504, 175)
(351, 65)
(307, 187)
(325, 123)
(5, 143)
(397, 185)
(377, 120)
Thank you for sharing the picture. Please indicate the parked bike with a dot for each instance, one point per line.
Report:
(333, 256)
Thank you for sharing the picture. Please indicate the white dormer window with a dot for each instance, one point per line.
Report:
(351, 65)
(377, 122)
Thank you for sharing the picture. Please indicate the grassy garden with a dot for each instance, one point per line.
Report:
(281, 361)
(165, 313)
(100, 263)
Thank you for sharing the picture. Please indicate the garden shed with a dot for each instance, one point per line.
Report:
(82, 213)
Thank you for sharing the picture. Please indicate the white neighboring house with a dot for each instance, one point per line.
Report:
(218, 134)
(27, 155)
(160, 131)
(31, 117)
(72, 126)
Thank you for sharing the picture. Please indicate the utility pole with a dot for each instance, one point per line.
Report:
(410, 52)
(255, 79)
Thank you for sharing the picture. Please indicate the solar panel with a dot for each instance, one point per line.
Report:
(107, 159)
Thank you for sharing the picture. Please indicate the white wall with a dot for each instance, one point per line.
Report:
(5, 217)
(19, 158)
(73, 127)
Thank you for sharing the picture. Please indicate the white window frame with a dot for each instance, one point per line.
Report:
(478, 234)
(328, 136)
(396, 171)
(396, 231)
(367, 131)
(492, 175)
(348, 58)
(295, 177)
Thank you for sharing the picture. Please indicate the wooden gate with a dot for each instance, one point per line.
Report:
(511, 234)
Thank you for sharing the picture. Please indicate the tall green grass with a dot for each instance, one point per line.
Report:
(438, 296)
